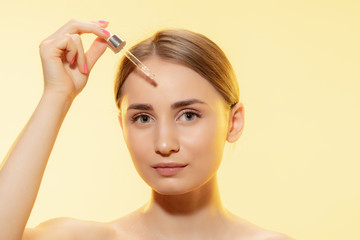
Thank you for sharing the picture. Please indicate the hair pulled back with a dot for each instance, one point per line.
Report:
(188, 48)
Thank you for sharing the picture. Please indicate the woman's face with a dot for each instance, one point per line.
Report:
(175, 132)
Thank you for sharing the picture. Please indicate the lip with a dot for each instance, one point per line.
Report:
(167, 169)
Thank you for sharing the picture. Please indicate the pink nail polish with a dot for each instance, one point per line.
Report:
(85, 68)
(106, 32)
(103, 22)
(72, 61)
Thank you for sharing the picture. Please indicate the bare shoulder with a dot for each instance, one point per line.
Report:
(130, 226)
(70, 229)
(246, 230)
(276, 236)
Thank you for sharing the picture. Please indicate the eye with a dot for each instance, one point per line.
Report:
(189, 116)
(141, 118)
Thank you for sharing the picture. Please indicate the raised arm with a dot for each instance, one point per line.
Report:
(66, 69)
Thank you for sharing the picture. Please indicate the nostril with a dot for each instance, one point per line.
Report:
(166, 149)
(167, 152)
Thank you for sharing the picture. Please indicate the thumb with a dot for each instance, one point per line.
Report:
(97, 48)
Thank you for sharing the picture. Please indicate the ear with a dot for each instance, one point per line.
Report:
(120, 120)
(236, 122)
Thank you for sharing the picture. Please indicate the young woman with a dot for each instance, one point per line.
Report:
(175, 133)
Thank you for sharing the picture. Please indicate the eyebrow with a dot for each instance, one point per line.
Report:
(148, 107)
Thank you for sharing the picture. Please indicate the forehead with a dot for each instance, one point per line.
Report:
(175, 82)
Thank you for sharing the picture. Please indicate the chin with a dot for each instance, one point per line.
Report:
(170, 192)
(172, 187)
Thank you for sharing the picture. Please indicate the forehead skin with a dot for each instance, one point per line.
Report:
(176, 82)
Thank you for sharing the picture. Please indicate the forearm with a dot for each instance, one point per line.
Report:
(24, 165)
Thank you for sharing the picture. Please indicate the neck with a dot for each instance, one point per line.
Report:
(185, 215)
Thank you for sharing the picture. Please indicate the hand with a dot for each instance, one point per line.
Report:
(65, 65)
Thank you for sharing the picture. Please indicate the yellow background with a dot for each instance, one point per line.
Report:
(295, 169)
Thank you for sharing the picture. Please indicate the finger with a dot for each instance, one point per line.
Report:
(79, 27)
(71, 50)
(80, 59)
(102, 23)
(97, 48)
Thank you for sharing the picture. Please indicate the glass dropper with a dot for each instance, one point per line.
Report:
(140, 65)
(117, 44)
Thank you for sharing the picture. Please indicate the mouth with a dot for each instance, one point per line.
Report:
(169, 169)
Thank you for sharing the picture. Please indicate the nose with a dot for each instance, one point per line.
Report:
(166, 141)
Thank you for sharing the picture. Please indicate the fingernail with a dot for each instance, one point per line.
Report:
(72, 61)
(85, 68)
(106, 32)
(103, 22)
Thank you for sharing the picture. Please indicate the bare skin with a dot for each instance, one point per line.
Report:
(183, 205)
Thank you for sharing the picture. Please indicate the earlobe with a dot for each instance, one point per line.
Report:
(236, 123)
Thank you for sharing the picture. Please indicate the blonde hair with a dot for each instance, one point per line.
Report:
(191, 49)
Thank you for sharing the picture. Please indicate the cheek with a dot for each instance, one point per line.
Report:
(205, 142)
(138, 143)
